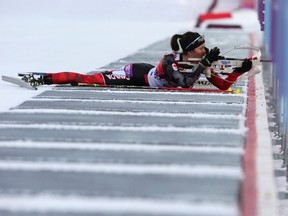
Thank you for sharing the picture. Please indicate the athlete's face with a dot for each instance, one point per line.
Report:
(198, 52)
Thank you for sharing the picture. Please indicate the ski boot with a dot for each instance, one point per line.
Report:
(34, 79)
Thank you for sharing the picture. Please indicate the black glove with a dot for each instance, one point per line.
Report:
(246, 66)
(219, 57)
(211, 57)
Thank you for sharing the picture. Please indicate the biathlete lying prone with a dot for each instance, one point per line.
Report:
(166, 74)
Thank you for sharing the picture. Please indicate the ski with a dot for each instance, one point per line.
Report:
(18, 82)
(27, 80)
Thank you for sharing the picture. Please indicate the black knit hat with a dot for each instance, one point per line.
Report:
(190, 41)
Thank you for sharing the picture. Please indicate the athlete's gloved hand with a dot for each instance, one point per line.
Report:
(219, 57)
(246, 66)
(211, 57)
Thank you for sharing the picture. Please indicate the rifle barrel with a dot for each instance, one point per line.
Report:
(261, 60)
